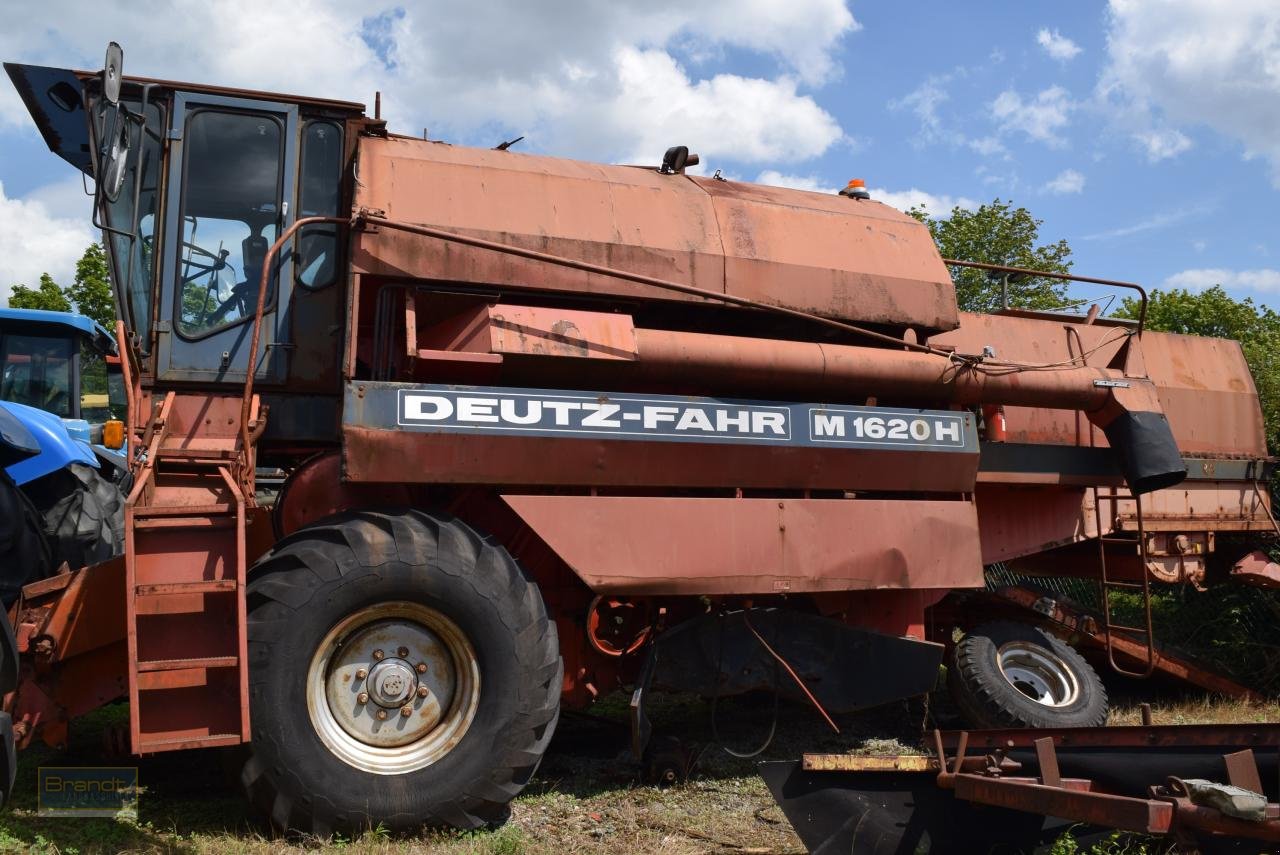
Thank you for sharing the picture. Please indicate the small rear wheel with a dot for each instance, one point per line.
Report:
(1007, 675)
(403, 672)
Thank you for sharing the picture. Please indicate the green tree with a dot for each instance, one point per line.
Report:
(1214, 312)
(91, 291)
(48, 296)
(999, 233)
(90, 294)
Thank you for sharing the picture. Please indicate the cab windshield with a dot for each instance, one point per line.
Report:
(133, 253)
(36, 370)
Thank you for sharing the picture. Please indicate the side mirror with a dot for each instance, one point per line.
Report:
(113, 149)
(114, 156)
(112, 73)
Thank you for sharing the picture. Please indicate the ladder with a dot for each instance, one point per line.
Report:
(1144, 634)
(185, 564)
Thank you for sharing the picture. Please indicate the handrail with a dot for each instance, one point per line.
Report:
(1070, 277)
(251, 367)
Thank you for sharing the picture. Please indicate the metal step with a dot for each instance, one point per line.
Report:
(214, 740)
(195, 516)
(211, 586)
(182, 664)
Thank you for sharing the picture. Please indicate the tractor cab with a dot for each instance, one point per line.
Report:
(193, 185)
(65, 364)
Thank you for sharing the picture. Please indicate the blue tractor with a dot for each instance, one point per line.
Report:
(61, 445)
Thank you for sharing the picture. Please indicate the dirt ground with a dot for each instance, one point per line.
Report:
(587, 798)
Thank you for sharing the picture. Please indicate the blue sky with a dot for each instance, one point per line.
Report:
(1145, 132)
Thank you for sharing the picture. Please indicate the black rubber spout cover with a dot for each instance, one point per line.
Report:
(1148, 454)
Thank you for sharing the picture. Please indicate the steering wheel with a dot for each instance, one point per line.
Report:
(217, 261)
(239, 299)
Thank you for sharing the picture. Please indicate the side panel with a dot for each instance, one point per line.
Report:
(818, 252)
(663, 545)
(1204, 384)
(401, 433)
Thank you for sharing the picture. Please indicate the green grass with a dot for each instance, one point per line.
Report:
(587, 798)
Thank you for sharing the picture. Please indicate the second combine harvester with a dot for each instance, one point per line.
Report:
(555, 427)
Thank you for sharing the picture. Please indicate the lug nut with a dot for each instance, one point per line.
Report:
(382, 715)
(402, 652)
(423, 691)
(406, 711)
(361, 674)
(378, 654)
(422, 667)
(362, 698)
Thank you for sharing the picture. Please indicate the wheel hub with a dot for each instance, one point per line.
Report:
(392, 682)
(393, 687)
(1038, 673)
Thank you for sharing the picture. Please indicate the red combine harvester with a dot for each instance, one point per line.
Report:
(555, 427)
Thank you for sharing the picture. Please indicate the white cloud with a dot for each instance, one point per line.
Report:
(1057, 45)
(1162, 220)
(1163, 143)
(745, 119)
(603, 83)
(1200, 62)
(33, 240)
(987, 146)
(1265, 280)
(923, 102)
(796, 182)
(1066, 181)
(938, 206)
(904, 200)
(1041, 117)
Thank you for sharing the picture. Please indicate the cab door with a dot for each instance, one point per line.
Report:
(232, 175)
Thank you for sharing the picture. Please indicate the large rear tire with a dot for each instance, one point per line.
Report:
(83, 514)
(24, 552)
(1013, 675)
(403, 672)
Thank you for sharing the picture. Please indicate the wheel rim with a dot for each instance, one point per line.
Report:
(1038, 673)
(393, 688)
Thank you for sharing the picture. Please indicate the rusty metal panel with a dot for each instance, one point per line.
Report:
(881, 763)
(643, 544)
(398, 457)
(828, 255)
(629, 218)
(534, 331)
(1204, 384)
(1018, 520)
(1143, 815)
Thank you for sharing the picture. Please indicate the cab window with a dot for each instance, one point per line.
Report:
(98, 400)
(36, 370)
(133, 258)
(318, 197)
(230, 216)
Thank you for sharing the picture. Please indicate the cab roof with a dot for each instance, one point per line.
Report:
(32, 319)
(53, 97)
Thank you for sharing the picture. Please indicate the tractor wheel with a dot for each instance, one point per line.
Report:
(403, 672)
(83, 514)
(24, 552)
(1009, 674)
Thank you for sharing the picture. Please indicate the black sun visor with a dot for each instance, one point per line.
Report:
(53, 97)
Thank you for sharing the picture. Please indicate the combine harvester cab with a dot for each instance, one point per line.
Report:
(552, 428)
